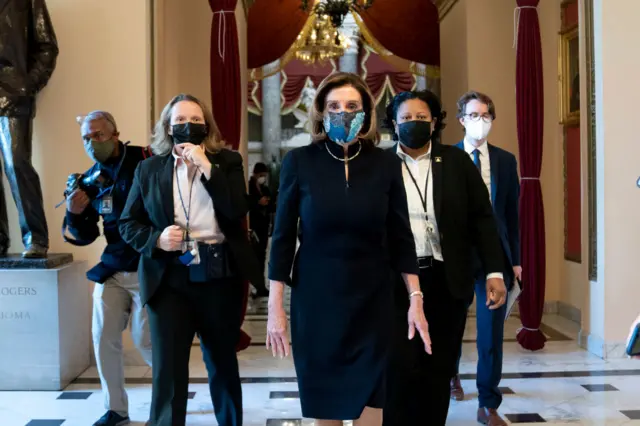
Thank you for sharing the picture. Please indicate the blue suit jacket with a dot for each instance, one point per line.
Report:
(505, 194)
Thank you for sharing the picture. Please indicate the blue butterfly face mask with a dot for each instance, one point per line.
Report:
(343, 127)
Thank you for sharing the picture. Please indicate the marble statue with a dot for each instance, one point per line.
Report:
(302, 114)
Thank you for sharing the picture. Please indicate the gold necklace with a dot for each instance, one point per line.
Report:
(344, 160)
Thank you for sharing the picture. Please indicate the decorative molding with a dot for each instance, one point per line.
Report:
(444, 7)
(601, 348)
(569, 312)
(591, 140)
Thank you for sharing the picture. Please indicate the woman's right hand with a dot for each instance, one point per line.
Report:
(277, 324)
(171, 238)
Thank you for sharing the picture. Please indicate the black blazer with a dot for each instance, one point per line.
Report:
(505, 194)
(149, 210)
(465, 218)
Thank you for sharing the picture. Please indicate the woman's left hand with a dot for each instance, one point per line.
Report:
(417, 321)
(196, 155)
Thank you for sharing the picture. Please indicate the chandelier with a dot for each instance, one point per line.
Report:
(337, 9)
(322, 43)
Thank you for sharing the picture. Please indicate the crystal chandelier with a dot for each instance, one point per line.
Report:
(337, 9)
(322, 43)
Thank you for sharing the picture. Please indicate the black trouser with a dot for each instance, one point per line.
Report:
(176, 313)
(15, 144)
(260, 249)
(417, 383)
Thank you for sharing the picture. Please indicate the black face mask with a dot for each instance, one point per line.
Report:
(193, 133)
(414, 134)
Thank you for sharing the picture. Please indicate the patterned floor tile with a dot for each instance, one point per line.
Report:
(525, 418)
(74, 395)
(600, 388)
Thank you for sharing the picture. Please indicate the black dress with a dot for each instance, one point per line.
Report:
(351, 237)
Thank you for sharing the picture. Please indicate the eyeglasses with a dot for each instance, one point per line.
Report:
(474, 116)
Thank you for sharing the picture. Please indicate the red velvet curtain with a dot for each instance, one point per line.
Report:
(417, 20)
(294, 78)
(530, 114)
(273, 26)
(226, 89)
(377, 71)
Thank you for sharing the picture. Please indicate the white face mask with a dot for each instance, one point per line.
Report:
(477, 130)
(262, 180)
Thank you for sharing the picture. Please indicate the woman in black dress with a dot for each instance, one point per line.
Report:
(348, 198)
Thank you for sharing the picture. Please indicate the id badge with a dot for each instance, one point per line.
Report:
(191, 246)
(430, 228)
(106, 204)
(434, 241)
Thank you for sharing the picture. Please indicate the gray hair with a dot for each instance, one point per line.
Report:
(161, 140)
(83, 120)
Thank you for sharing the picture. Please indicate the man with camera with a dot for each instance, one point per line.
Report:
(102, 192)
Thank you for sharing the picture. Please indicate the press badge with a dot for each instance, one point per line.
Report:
(106, 204)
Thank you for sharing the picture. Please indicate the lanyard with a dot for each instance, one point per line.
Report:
(115, 175)
(423, 199)
(186, 210)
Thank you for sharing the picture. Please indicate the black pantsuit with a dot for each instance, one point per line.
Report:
(420, 382)
(179, 308)
(213, 310)
(465, 220)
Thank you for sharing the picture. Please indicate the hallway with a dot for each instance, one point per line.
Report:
(561, 385)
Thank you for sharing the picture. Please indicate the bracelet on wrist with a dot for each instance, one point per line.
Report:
(416, 293)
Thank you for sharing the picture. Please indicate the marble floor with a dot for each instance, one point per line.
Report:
(561, 384)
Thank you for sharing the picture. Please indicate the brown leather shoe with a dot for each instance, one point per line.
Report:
(457, 393)
(490, 417)
(35, 251)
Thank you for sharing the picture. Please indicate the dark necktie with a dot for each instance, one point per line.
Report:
(476, 160)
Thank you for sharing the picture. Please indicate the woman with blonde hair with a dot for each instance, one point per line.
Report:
(184, 215)
(349, 199)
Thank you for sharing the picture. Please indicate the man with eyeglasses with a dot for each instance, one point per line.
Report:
(499, 171)
(116, 295)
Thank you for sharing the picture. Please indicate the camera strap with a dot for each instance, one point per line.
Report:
(69, 240)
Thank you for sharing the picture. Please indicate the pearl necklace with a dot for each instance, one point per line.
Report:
(344, 160)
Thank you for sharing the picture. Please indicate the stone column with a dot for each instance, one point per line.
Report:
(612, 300)
(271, 119)
(349, 61)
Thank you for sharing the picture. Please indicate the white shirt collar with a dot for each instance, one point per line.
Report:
(484, 148)
(404, 156)
(179, 161)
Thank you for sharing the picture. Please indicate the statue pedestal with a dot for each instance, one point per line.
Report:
(45, 322)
